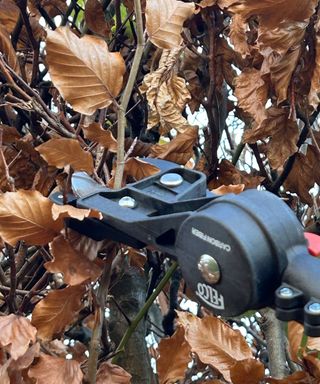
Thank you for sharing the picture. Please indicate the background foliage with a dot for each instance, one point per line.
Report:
(230, 88)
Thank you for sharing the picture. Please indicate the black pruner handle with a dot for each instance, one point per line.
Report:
(299, 296)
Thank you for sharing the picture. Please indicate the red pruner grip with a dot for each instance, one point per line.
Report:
(313, 243)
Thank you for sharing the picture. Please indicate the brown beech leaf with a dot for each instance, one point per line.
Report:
(225, 189)
(62, 152)
(86, 74)
(215, 342)
(179, 150)
(282, 130)
(171, 365)
(164, 21)
(249, 371)
(52, 7)
(9, 14)
(16, 335)
(252, 93)
(109, 373)
(55, 370)
(296, 378)
(137, 258)
(139, 169)
(312, 364)
(44, 180)
(9, 134)
(95, 20)
(57, 310)
(4, 376)
(60, 212)
(229, 174)
(25, 360)
(26, 215)
(96, 133)
(295, 335)
(305, 172)
(314, 92)
(76, 267)
(7, 49)
(167, 95)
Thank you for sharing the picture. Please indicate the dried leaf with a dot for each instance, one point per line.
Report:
(16, 334)
(139, 169)
(86, 74)
(95, 20)
(295, 378)
(174, 356)
(252, 93)
(57, 310)
(52, 7)
(62, 152)
(164, 21)
(26, 215)
(314, 92)
(136, 258)
(54, 370)
(225, 189)
(4, 376)
(295, 335)
(312, 364)
(179, 150)
(215, 342)
(9, 14)
(237, 35)
(229, 174)
(109, 373)
(96, 133)
(44, 180)
(60, 212)
(284, 133)
(76, 267)
(249, 371)
(9, 134)
(305, 172)
(7, 49)
(25, 360)
(167, 95)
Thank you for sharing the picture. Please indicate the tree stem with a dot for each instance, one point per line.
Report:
(125, 98)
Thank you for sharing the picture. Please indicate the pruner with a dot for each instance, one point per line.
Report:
(236, 252)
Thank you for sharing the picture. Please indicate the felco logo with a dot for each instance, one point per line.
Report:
(210, 296)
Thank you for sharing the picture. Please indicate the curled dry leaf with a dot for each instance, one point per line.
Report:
(52, 7)
(249, 371)
(25, 360)
(174, 356)
(86, 74)
(96, 133)
(164, 21)
(282, 130)
(76, 267)
(9, 14)
(4, 376)
(179, 150)
(62, 152)
(224, 189)
(60, 212)
(57, 310)
(54, 370)
(252, 93)
(314, 92)
(26, 215)
(95, 20)
(167, 95)
(215, 342)
(312, 363)
(109, 373)
(305, 172)
(16, 335)
(9, 134)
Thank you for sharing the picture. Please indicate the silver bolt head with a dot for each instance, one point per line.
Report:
(127, 202)
(286, 292)
(171, 180)
(209, 269)
(314, 308)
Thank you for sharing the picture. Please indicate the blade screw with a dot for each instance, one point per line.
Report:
(286, 292)
(171, 180)
(314, 308)
(127, 202)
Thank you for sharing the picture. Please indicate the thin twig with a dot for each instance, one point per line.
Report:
(125, 98)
